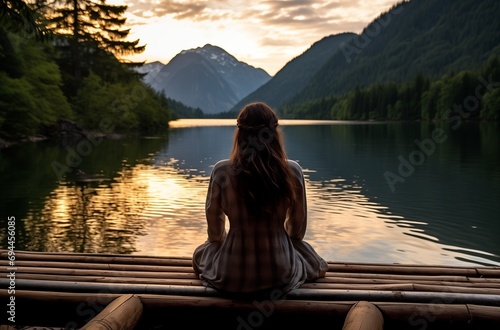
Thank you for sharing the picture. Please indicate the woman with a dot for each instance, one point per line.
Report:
(262, 194)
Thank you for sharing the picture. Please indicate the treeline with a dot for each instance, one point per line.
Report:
(180, 110)
(469, 95)
(63, 61)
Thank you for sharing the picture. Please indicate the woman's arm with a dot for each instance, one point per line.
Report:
(216, 219)
(296, 223)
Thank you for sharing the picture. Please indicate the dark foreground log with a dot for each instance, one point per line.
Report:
(160, 312)
(123, 313)
(364, 316)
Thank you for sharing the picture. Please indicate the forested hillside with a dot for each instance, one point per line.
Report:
(455, 97)
(419, 55)
(432, 37)
(57, 61)
(297, 73)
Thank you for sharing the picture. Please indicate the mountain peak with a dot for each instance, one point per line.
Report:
(217, 55)
(208, 78)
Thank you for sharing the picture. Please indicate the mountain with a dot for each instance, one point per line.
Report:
(297, 73)
(207, 78)
(429, 37)
(417, 37)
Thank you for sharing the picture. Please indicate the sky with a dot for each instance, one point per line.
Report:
(266, 34)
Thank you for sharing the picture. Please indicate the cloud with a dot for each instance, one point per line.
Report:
(257, 31)
(267, 12)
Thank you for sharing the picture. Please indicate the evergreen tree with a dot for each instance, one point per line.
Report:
(90, 30)
(17, 16)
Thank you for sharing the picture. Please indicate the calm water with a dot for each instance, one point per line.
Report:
(374, 194)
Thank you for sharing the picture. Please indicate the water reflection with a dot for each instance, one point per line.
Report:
(347, 225)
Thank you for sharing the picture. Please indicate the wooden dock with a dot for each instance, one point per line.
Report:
(110, 291)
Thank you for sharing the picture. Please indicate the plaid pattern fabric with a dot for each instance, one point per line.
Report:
(255, 254)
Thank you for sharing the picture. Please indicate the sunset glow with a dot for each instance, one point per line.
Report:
(265, 34)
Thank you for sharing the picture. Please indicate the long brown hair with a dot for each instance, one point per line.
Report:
(259, 160)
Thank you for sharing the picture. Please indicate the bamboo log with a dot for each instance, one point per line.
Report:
(394, 296)
(183, 269)
(103, 279)
(186, 261)
(4, 252)
(364, 316)
(69, 271)
(122, 288)
(399, 269)
(122, 314)
(482, 282)
(485, 280)
(354, 280)
(402, 287)
(192, 281)
(297, 294)
(190, 274)
(98, 258)
(188, 258)
(334, 277)
(388, 286)
(396, 315)
(120, 267)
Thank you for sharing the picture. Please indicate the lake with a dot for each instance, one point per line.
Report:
(385, 192)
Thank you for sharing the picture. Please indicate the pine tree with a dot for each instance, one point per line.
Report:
(90, 30)
(17, 16)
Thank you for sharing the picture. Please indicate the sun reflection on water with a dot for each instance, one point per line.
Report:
(158, 209)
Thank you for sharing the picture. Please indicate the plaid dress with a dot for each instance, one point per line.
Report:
(255, 254)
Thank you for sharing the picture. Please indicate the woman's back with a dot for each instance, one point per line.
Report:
(262, 194)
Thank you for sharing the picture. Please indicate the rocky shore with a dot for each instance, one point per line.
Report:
(63, 129)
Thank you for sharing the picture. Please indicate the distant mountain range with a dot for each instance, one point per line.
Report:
(208, 78)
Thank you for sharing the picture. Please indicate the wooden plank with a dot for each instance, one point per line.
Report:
(474, 282)
(186, 261)
(399, 277)
(484, 280)
(400, 269)
(103, 279)
(97, 272)
(109, 273)
(98, 258)
(123, 313)
(297, 294)
(395, 296)
(402, 287)
(364, 316)
(387, 286)
(98, 266)
(3, 253)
